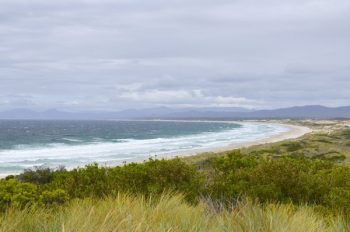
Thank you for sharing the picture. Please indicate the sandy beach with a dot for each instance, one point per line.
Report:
(292, 133)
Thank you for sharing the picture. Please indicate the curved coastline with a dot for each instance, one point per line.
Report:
(293, 132)
(289, 132)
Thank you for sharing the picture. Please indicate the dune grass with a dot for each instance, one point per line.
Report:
(333, 146)
(166, 213)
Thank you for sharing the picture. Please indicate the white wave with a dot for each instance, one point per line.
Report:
(72, 140)
(131, 149)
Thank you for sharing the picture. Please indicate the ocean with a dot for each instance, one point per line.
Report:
(25, 144)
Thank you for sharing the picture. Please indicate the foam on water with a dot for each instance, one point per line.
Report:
(117, 151)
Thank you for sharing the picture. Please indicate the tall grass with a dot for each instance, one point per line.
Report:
(167, 213)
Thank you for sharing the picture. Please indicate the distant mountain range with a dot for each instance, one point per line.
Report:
(298, 112)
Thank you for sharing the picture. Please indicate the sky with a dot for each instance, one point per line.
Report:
(119, 54)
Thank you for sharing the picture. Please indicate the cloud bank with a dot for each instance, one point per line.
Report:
(112, 55)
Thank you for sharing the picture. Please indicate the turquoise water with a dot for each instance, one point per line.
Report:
(25, 144)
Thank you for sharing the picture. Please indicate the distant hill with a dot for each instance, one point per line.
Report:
(158, 112)
(313, 111)
(299, 112)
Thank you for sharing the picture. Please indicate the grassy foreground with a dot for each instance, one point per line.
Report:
(300, 185)
(167, 213)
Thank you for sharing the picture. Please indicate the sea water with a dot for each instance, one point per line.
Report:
(27, 144)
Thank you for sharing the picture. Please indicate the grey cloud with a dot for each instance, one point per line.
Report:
(120, 54)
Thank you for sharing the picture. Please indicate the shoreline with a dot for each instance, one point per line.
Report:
(293, 132)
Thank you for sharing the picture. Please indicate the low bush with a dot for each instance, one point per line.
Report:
(44, 186)
(298, 180)
(15, 193)
(151, 177)
(38, 175)
(57, 197)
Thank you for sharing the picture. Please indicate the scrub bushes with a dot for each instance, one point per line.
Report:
(296, 180)
(43, 186)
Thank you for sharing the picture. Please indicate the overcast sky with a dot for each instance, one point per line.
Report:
(117, 54)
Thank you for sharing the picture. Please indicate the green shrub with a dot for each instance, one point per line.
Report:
(173, 175)
(39, 175)
(57, 197)
(148, 178)
(298, 180)
(292, 146)
(287, 179)
(90, 181)
(14, 193)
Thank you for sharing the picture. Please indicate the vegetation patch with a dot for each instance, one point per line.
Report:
(168, 212)
(301, 178)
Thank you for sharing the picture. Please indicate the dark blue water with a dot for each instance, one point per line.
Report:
(41, 133)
